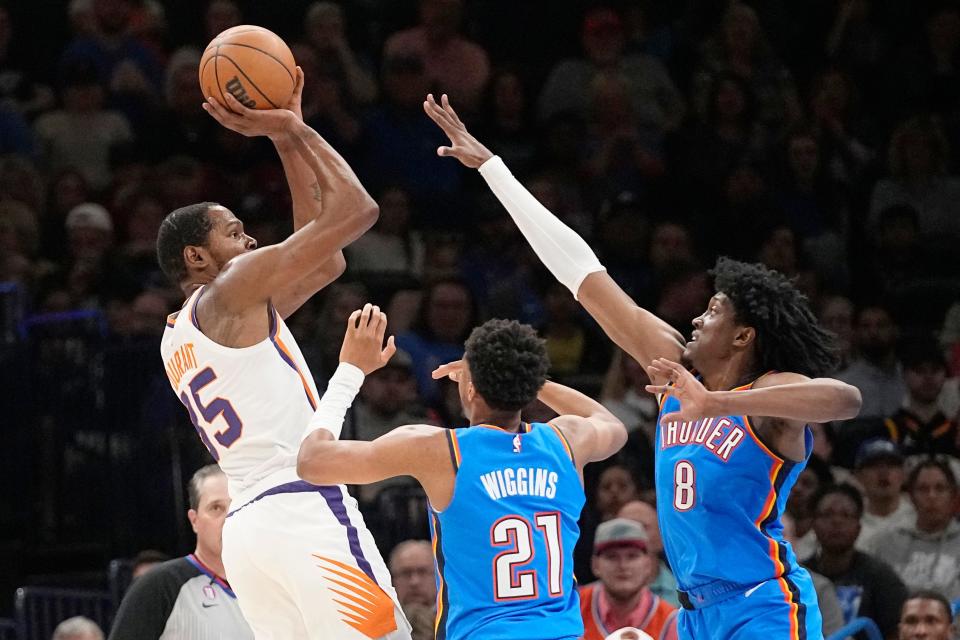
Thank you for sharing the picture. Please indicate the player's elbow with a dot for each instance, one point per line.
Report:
(369, 213)
(849, 400)
(311, 452)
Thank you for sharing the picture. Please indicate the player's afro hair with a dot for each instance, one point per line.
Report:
(189, 225)
(508, 362)
(789, 337)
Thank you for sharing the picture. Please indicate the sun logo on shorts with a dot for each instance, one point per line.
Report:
(365, 606)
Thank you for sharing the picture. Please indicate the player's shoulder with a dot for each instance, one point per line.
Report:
(778, 378)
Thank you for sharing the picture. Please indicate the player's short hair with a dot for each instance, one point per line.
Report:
(196, 483)
(930, 594)
(789, 337)
(508, 363)
(937, 463)
(189, 225)
(842, 489)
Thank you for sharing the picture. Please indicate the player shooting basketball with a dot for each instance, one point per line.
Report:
(731, 439)
(290, 548)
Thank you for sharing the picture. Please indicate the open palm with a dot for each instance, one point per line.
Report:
(681, 384)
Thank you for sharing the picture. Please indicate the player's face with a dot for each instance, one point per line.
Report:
(714, 332)
(623, 570)
(210, 514)
(923, 619)
(836, 522)
(227, 239)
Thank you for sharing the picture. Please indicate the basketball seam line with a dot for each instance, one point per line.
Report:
(216, 41)
(250, 46)
(216, 74)
(252, 83)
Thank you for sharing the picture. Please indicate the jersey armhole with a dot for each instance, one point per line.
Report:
(565, 442)
(193, 308)
(454, 446)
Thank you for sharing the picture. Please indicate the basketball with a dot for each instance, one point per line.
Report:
(252, 64)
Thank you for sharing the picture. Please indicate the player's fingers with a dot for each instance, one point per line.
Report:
(388, 351)
(298, 82)
(352, 320)
(381, 328)
(365, 315)
(444, 151)
(374, 318)
(234, 106)
(670, 417)
(660, 388)
(449, 109)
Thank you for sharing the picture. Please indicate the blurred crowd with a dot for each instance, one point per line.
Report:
(815, 137)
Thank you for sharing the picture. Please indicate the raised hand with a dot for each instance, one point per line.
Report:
(464, 147)
(680, 383)
(252, 122)
(363, 341)
(452, 370)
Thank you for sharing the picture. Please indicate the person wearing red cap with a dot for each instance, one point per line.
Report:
(621, 597)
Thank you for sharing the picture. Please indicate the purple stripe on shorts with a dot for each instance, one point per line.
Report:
(334, 499)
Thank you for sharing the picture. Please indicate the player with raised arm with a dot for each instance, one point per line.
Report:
(731, 439)
(505, 495)
(298, 556)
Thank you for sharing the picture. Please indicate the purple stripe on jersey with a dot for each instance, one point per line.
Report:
(334, 499)
(204, 569)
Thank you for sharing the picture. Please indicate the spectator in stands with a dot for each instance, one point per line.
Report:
(82, 134)
(836, 315)
(650, 92)
(663, 584)
(866, 586)
(453, 64)
(875, 370)
(506, 124)
(879, 470)
(447, 314)
(325, 27)
(830, 609)
(926, 554)
(920, 427)
(918, 162)
(624, 394)
(624, 566)
(574, 346)
(77, 628)
(412, 570)
(814, 476)
(189, 596)
(838, 126)
(670, 242)
(391, 251)
(740, 47)
(220, 16)
(926, 615)
(616, 486)
(145, 561)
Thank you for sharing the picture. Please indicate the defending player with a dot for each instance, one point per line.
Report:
(292, 551)
(731, 440)
(505, 495)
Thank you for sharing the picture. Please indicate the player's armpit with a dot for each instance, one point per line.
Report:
(637, 331)
(592, 439)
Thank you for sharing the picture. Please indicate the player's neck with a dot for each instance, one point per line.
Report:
(506, 420)
(728, 374)
(211, 561)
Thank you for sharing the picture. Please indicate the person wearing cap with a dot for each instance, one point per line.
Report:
(89, 231)
(663, 584)
(926, 553)
(920, 427)
(621, 597)
(865, 586)
(879, 470)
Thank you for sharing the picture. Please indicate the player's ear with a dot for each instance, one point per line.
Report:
(744, 336)
(194, 256)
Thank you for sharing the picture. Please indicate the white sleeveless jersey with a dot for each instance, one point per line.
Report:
(249, 405)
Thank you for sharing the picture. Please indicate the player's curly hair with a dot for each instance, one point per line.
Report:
(508, 362)
(189, 225)
(789, 337)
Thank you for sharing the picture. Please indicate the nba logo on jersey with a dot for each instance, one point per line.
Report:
(209, 593)
(516, 443)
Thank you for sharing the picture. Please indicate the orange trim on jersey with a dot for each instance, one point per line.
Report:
(756, 438)
(293, 363)
(442, 585)
(172, 319)
(563, 439)
(365, 606)
(455, 448)
(496, 428)
(794, 609)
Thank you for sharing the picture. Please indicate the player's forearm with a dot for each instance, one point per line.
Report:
(566, 401)
(817, 400)
(323, 460)
(304, 187)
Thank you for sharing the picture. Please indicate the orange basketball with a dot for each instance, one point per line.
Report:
(251, 63)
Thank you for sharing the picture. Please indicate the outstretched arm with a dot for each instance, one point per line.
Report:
(567, 256)
(331, 210)
(593, 432)
(790, 397)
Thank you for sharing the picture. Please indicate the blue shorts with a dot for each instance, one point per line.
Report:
(785, 608)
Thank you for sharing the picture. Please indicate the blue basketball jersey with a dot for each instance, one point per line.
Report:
(720, 493)
(504, 545)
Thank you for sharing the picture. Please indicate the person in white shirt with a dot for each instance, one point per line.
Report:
(880, 471)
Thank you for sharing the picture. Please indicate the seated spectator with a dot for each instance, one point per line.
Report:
(575, 347)
(920, 427)
(220, 16)
(866, 586)
(77, 628)
(447, 314)
(190, 596)
(875, 370)
(624, 565)
(82, 134)
(453, 64)
(836, 316)
(146, 560)
(879, 470)
(624, 394)
(814, 476)
(926, 553)
(325, 27)
(926, 615)
(390, 250)
(664, 584)
(616, 486)
(506, 124)
(412, 570)
(830, 610)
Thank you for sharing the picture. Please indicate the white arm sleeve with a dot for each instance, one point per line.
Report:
(341, 390)
(568, 257)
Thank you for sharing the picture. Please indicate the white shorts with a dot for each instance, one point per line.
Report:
(304, 566)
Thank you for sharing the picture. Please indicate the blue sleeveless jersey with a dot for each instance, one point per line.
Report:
(504, 545)
(720, 493)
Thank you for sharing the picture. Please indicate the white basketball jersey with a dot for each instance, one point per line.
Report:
(249, 405)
